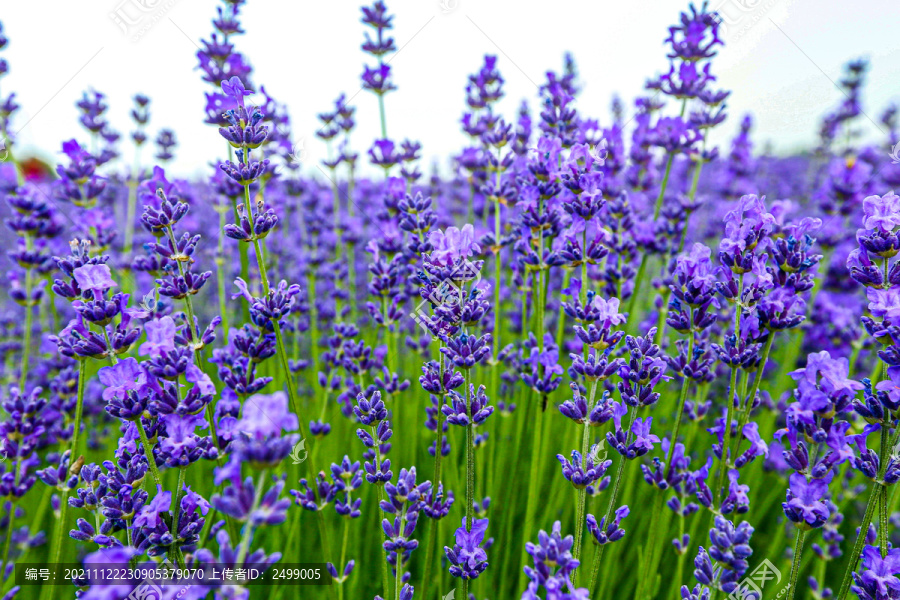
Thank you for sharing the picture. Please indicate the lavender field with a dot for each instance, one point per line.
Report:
(591, 355)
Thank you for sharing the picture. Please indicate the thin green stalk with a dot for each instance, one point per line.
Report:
(561, 317)
(398, 567)
(617, 482)
(654, 531)
(148, 451)
(537, 440)
(795, 565)
(470, 459)
(685, 385)
(79, 409)
(883, 523)
(582, 493)
(433, 537)
(279, 338)
(748, 400)
(344, 553)
(636, 290)
(73, 449)
(179, 557)
(726, 444)
(384, 568)
(58, 536)
(220, 275)
(26, 339)
(382, 117)
(662, 190)
(860, 542)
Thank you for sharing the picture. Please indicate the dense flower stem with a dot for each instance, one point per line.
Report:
(795, 565)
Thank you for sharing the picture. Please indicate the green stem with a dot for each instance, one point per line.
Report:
(398, 567)
(26, 340)
(384, 568)
(148, 451)
(79, 409)
(860, 542)
(179, 557)
(433, 538)
(795, 565)
(582, 493)
(617, 483)
(382, 117)
(220, 276)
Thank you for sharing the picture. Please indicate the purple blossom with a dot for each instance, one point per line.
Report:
(121, 378)
(96, 278)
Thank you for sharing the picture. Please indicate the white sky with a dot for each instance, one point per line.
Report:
(781, 59)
